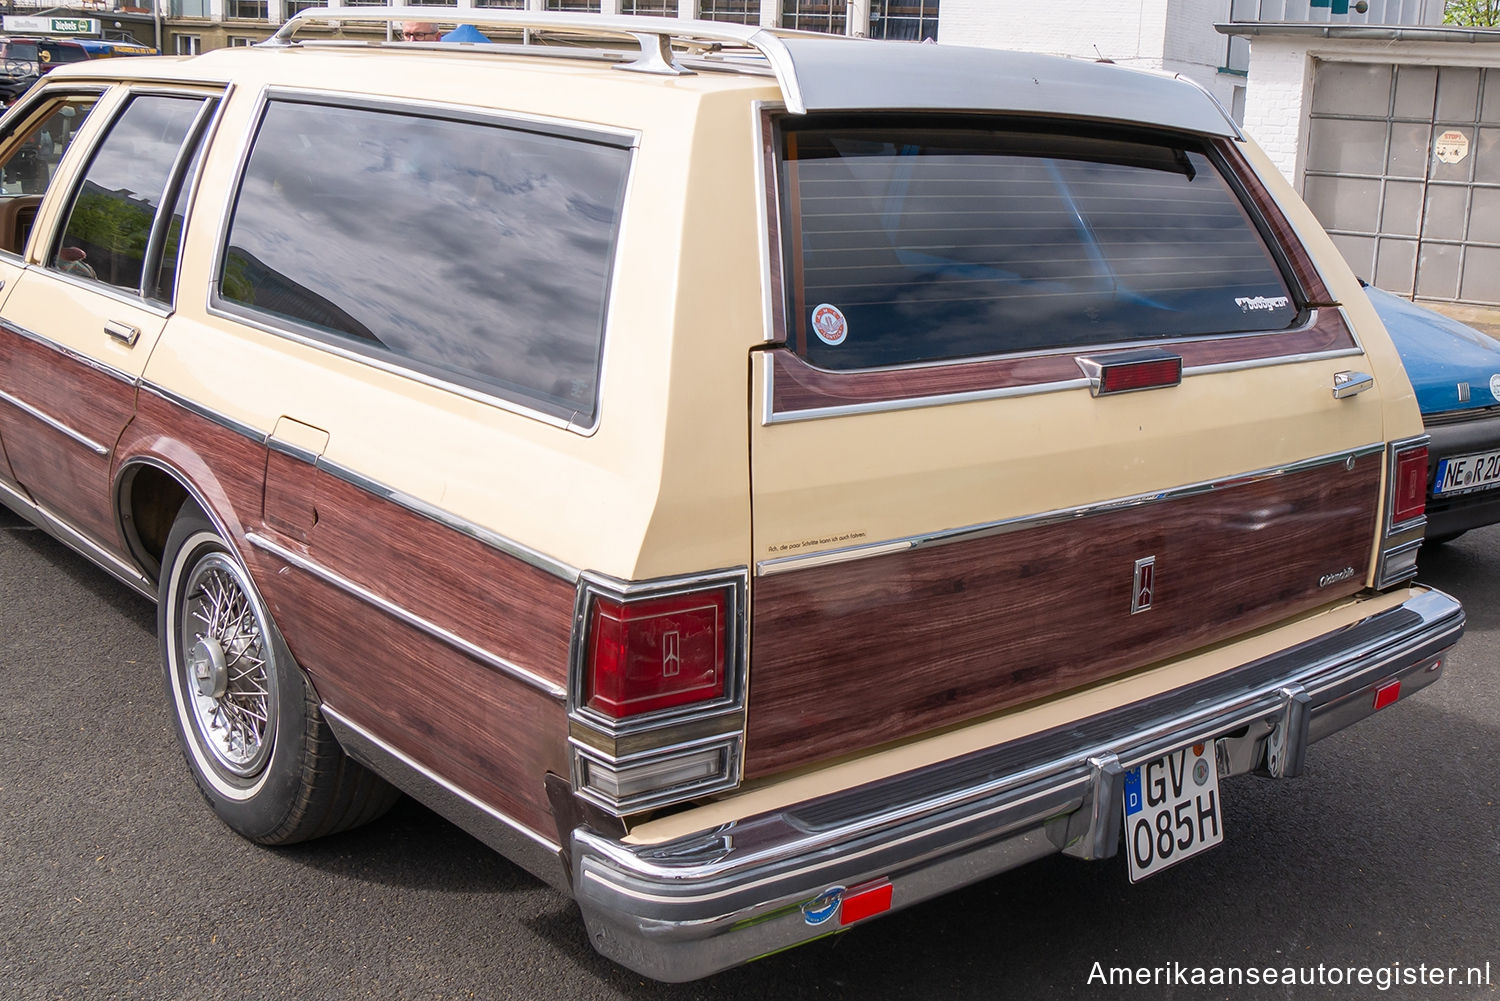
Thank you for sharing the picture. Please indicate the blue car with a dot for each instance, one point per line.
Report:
(1455, 370)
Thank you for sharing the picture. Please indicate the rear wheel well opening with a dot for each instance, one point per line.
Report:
(150, 498)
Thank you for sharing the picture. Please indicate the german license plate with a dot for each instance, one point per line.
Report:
(1460, 473)
(1172, 809)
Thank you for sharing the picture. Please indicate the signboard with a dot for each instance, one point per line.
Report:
(50, 25)
(1452, 146)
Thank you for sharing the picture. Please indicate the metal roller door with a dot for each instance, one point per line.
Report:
(1403, 170)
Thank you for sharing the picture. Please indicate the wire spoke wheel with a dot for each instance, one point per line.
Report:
(228, 681)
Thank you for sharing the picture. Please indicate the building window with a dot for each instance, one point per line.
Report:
(298, 6)
(246, 10)
(241, 41)
(815, 15)
(187, 45)
(434, 3)
(737, 11)
(909, 20)
(189, 8)
(656, 8)
(501, 4)
(586, 6)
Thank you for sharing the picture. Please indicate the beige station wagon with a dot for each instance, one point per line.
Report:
(757, 481)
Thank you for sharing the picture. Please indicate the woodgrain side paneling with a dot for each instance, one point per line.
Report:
(57, 470)
(853, 655)
(494, 736)
(798, 386)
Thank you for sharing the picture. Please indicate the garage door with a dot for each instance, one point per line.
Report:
(1403, 170)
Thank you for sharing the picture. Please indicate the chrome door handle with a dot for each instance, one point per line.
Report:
(1347, 384)
(123, 332)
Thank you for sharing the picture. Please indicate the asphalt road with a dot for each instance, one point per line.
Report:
(117, 882)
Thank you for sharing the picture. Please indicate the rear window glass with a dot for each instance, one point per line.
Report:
(917, 244)
(473, 253)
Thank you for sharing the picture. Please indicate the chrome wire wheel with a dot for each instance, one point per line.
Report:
(227, 678)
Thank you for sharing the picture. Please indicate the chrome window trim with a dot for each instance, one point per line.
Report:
(216, 306)
(70, 353)
(452, 639)
(195, 140)
(767, 189)
(782, 564)
(52, 422)
(416, 505)
(770, 416)
(204, 93)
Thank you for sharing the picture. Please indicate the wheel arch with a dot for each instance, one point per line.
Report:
(150, 490)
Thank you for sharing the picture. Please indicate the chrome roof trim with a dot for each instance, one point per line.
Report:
(781, 564)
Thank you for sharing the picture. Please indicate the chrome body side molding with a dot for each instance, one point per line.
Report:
(61, 530)
(394, 610)
(781, 564)
(52, 422)
(533, 852)
(706, 901)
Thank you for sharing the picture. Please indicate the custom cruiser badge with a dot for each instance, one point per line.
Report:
(1336, 577)
(1145, 585)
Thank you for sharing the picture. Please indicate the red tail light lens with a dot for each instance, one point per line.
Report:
(656, 653)
(1409, 500)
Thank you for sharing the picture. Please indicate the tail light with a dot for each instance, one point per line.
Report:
(1409, 497)
(1406, 507)
(655, 654)
(656, 690)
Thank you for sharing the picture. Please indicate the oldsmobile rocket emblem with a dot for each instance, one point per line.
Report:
(1144, 589)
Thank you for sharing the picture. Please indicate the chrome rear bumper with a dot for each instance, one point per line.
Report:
(698, 904)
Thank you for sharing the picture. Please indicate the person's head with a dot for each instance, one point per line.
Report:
(420, 31)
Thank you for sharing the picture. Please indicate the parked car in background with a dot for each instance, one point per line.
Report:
(54, 52)
(18, 67)
(101, 48)
(1455, 371)
(758, 481)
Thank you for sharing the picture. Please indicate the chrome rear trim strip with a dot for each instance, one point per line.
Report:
(55, 424)
(394, 610)
(537, 854)
(781, 564)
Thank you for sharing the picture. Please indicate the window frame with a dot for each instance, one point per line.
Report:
(26, 119)
(783, 308)
(200, 133)
(388, 361)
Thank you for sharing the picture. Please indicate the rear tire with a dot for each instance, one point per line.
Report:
(248, 718)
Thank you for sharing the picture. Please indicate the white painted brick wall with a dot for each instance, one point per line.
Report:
(1276, 103)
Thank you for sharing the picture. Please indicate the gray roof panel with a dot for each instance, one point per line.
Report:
(836, 74)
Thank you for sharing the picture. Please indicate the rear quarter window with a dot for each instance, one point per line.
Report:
(467, 251)
(910, 243)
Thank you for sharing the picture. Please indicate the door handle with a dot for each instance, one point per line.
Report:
(1347, 384)
(123, 332)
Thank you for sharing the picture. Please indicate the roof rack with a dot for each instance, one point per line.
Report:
(655, 35)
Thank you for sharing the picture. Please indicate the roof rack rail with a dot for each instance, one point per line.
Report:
(654, 35)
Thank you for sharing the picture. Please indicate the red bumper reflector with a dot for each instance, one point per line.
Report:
(1387, 693)
(866, 900)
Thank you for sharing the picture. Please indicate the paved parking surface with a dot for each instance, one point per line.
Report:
(117, 882)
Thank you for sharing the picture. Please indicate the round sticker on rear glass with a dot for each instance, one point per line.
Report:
(829, 324)
(1495, 386)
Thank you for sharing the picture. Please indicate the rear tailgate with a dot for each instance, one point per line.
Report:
(948, 520)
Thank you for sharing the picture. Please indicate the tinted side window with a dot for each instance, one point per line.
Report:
(474, 253)
(109, 224)
(911, 243)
